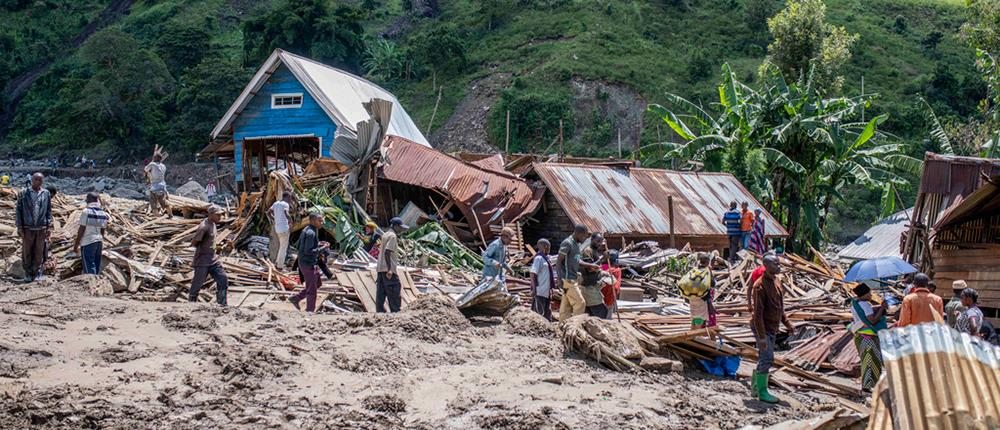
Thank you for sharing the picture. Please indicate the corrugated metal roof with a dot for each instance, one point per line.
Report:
(634, 201)
(954, 176)
(339, 93)
(881, 240)
(497, 196)
(985, 200)
(939, 378)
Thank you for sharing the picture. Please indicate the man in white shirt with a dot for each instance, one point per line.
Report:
(90, 234)
(156, 174)
(279, 216)
(387, 285)
(542, 278)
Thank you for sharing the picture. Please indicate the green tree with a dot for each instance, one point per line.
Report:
(441, 49)
(534, 119)
(183, 47)
(804, 41)
(121, 103)
(310, 28)
(810, 147)
(202, 97)
(982, 33)
(384, 61)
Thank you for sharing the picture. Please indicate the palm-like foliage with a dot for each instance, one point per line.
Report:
(811, 148)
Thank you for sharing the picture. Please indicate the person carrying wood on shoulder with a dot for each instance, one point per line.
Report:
(768, 312)
(156, 173)
(205, 261)
(388, 287)
(309, 249)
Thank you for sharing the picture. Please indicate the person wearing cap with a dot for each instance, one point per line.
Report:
(370, 238)
(868, 321)
(205, 261)
(387, 286)
(495, 255)
(954, 308)
(310, 248)
(279, 214)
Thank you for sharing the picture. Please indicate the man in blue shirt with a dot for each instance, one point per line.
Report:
(731, 219)
(495, 255)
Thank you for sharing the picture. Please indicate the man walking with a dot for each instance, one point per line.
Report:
(732, 220)
(387, 286)
(34, 222)
(90, 235)
(309, 250)
(495, 255)
(205, 262)
(917, 305)
(279, 215)
(768, 312)
(568, 267)
(542, 280)
(156, 174)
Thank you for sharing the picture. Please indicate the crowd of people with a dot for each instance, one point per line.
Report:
(584, 272)
(744, 229)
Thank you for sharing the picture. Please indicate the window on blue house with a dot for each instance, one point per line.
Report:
(286, 101)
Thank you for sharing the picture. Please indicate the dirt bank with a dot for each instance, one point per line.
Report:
(72, 360)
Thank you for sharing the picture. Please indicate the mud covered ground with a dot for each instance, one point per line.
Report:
(76, 361)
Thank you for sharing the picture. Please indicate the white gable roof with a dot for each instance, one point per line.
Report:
(339, 93)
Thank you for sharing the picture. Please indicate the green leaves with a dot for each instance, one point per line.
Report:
(675, 124)
(781, 160)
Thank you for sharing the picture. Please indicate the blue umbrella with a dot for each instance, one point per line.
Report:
(878, 268)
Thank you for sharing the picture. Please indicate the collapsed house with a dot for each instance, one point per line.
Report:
(955, 229)
(637, 204)
(470, 201)
(293, 111)
(945, 180)
(966, 245)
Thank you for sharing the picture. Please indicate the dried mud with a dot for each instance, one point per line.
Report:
(73, 361)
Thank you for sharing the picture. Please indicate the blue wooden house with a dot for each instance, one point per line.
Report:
(291, 112)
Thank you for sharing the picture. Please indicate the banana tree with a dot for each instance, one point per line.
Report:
(810, 149)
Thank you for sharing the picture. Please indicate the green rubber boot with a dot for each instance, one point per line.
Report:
(762, 394)
(753, 385)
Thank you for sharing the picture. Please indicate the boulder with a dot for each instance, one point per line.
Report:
(192, 190)
(661, 364)
(127, 193)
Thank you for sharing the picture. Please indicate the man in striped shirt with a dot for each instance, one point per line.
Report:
(90, 235)
(732, 219)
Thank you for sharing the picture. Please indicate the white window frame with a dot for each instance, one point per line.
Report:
(276, 96)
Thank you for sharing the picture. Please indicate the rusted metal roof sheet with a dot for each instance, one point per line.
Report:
(634, 201)
(982, 202)
(492, 196)
(881, 240)
(939, 378)
(954, 176)
(493, 163)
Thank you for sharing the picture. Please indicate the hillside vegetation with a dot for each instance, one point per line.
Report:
(166, 71)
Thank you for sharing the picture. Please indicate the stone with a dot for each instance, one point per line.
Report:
(192, 190)
(127, 193)
(661, 364)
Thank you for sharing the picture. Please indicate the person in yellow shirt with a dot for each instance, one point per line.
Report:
(4, 180)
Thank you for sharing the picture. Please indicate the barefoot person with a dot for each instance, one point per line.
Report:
(33, 218)
(869, 320)
(542, 280)
(768, 312)
(205, 262)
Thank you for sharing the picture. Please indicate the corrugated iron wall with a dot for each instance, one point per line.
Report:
(938, 378)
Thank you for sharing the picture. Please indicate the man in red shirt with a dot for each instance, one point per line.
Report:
(746, 225)
(768, 313)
